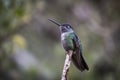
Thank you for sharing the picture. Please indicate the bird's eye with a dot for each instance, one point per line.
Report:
(68, 26)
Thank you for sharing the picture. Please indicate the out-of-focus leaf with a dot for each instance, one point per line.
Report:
(19, 41)
(19, 12)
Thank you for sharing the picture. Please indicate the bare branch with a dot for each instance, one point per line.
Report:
(67, 65)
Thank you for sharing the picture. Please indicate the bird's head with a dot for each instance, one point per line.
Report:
(66, 28)
(63, 27)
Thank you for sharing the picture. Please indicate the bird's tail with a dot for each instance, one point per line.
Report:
(79, 62)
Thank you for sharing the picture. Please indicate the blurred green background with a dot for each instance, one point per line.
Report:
(30, 47)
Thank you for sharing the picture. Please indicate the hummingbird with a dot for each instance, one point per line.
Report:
(70, 41)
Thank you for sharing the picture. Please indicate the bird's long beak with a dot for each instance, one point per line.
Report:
(55, 22)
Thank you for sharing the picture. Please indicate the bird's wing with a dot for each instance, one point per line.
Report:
(77, 57)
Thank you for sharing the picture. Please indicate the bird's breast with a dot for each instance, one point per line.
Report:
(63, 36)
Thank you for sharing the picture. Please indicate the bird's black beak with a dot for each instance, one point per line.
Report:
(55, 22)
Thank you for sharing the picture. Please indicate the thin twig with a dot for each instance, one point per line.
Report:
(67, 65)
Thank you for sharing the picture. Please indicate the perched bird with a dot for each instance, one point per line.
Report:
(70, 41)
